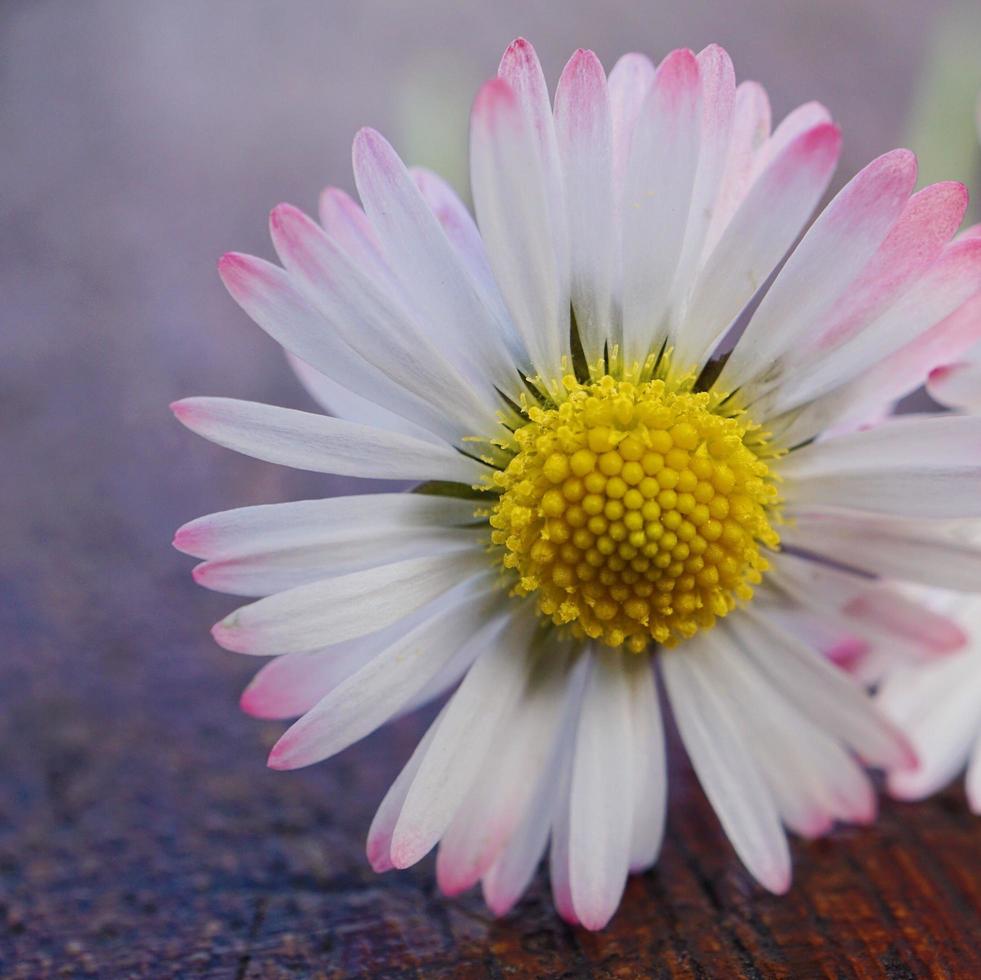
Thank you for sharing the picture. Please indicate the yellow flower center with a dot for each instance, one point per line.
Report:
(635, 511)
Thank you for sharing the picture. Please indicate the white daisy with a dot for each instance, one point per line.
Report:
(604, 492)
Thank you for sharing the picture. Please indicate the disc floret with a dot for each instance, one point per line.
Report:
(635, 511)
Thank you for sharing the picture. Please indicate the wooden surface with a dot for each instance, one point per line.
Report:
(140, 833)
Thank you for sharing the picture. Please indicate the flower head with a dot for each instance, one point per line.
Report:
(612, 494)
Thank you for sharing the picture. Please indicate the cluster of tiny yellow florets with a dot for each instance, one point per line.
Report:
(634, 511)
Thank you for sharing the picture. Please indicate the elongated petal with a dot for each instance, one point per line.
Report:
(521, 222)
(657, 199)
(601, 793)
(724, 766)
(341, 608)
(512, 872)
(761, 231)
(437, 282)
(373, 320)
(917, 466)
(461, 744)
(937, 705)
(320, 444)
(650, 777)
(276, 527)
(822, 692)
(844, 237)
(367, 699)
(585, 138)
(913, 552)
(379, 845)
(629, 84)
(498, 800)
(950, 282)
(958, 385)
(349, 227)
(270, 297)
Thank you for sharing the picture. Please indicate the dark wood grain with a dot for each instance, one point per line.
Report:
(140, 833)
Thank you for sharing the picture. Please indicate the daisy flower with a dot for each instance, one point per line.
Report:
(613, 501)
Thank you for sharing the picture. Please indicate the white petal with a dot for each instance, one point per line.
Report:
(650, 777)
(276, 527)
(601, 792)
(270, 297)
(512, 872)
(759, 234)
(380, 832)
(939, 706)
(465, 736)
(914, 466)
(438, 284)
(656, 201)
(845, 236)
(719, 754)
(821, 691)
(373, 320)
(341, 608)
(497, 802)
(352, 551)
(958, 385)
(370, 697)
(320, 444)
(947, 285)
(585, 138)
(629, 84)
(349, 227)
(521, 220)
(914, 552)
(337, 400)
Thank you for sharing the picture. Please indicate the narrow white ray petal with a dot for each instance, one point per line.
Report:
(558, 855)
(845, 236)
(958, 385)
(656, 201)
(289, 686)
(373, 320)
(721, 759)
(814, 781)
(937, 705)
(912, 551)
(875, 611)
(277, 527)
(950, 282)
(750, 130)
(465, 736)
(509, 876)
(585, 138)
(352, 550)
(320, 444)
(650, 776)
(460, 228)
(335, 399)
(629, 85)
(341, 608)
(345, 222)
(821, 691)
(268, 295)
(915, 466)
(379, 844)
(518, 224)
(797, 122)
(759, 234)
(370, 697)
(601, 801)
(434, 278)
(497, 802)
(718, 91)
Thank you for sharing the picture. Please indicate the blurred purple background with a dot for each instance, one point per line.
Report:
(139, 141)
